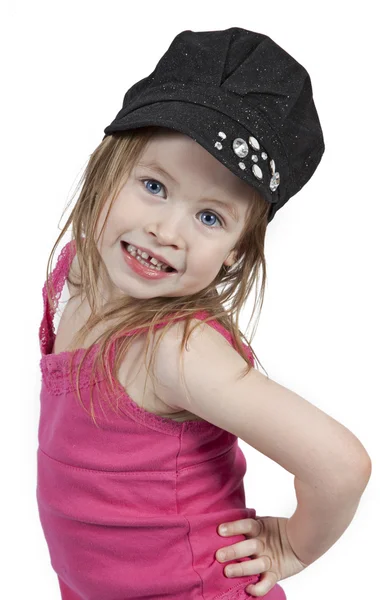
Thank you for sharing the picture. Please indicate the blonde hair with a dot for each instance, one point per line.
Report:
(105, 174)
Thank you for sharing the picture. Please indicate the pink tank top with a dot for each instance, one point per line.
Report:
(130, 509)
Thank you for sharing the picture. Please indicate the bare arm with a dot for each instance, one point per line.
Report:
(271, 418)
(330, 465)
(321, 517)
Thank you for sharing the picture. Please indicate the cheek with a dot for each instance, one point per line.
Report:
(116, 220)
(209, 266)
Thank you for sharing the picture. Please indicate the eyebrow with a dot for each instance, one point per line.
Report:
(230, 206)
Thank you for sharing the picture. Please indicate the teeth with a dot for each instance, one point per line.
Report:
(152, 259)
(137, 253)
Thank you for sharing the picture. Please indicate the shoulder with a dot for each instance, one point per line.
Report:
(208, 360)
(201, 338)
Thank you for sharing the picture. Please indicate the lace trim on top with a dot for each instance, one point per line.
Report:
(57, 280)
(56, 368)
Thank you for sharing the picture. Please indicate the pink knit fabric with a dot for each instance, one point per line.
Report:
(130, 509)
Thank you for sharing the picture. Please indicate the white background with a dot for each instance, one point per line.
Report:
(65, 69)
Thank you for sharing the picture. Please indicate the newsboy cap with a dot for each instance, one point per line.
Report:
(240, 96)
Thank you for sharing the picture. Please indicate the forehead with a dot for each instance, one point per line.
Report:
(187, 161)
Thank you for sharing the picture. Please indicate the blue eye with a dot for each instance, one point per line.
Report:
(208, 213)
(155, 182)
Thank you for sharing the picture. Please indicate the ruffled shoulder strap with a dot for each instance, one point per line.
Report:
(56, 281)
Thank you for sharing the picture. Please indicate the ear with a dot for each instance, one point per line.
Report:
(231, 259)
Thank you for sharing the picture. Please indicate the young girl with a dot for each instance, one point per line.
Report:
(147, 384)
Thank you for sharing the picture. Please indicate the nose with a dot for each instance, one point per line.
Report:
(168, 227)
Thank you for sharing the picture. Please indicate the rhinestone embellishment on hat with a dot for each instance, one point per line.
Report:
(222, 135)
(275, 180)
(254, 143)
(241, 149)
(257, 171)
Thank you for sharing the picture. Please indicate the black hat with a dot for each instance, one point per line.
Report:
(240, 96)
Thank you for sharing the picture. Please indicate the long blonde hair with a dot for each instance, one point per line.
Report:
(224, 298)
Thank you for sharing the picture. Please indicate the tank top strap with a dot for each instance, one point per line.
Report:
(57, 279)
(203, 314)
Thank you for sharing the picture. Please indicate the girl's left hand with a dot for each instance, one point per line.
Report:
(268, 541)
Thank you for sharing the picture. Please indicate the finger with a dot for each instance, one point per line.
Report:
(267, 581)
(243, 526)
(240, 550)
(248, 567)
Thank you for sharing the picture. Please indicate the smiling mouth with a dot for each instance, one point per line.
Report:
(165, 269)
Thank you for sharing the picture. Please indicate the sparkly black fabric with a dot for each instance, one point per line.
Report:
(242, 84)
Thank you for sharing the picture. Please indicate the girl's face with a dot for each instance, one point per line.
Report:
(183, 216)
